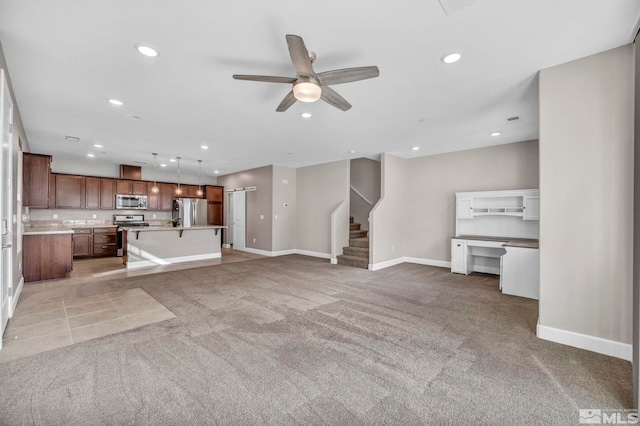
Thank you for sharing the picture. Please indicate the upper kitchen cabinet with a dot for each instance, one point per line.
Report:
(130, 172)
(153, 198)
(36, 170)
(70, 192)
(214, 193)
(92, 193)
(107, 193)
(167, 193)
(191, 191)
(139, 187)
(124, 187)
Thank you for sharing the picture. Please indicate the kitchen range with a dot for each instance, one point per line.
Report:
(121, 220)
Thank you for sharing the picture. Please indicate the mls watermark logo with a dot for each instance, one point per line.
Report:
(596, 416)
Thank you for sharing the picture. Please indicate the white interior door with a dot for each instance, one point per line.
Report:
(239, 223)
(6, 224)
(229, 218)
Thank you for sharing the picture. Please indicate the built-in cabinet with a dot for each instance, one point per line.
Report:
(70, 192)
(215, 197)
(36, 171)
(94, 242)
(47, 256)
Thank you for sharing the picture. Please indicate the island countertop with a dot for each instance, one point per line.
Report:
(169, 228)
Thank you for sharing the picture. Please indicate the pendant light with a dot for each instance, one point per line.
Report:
(178, 189)
(155, 188)
(199, 192)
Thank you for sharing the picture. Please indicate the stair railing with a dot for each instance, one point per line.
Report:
(334, 231)
(361, 195)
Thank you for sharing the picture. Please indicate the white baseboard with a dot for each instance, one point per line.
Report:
(314, 254)
(334, 260)
(428, 262)
(584, 341)
(258, 251)
(134, 264)
(16, 296)
(284, 252)
(226, 246)
(416, 260)
(386, 264)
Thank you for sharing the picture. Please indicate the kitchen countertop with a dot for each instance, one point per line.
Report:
(168, 228)
(508, 241)
(46, 229)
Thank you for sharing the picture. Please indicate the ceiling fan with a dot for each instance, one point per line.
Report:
(309, 86)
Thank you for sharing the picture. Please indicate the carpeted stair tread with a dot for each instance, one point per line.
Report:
(359, 242)
(350, 219)
(358, 234)
(353, 261)
(356, 252)
(354, 226)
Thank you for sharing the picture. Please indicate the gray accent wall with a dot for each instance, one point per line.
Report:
(586, 195)
(319, 190)
(433, 181)
(259, 204)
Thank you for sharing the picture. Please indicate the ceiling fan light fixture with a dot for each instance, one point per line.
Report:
(307, 92)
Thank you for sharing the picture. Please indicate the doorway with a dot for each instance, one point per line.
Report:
(6, 205)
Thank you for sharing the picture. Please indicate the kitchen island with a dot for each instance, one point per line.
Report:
(47, 252)
(163, 245)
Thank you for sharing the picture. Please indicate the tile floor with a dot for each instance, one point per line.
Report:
(51, 314)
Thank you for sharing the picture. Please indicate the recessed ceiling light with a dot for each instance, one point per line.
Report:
(415, 148)
(116, 102)
(216, 171)
(146, 50)
(306, 115)
(91, 155)
(72, 138)
(173, 160)
(450, 58)
(495, 133)
(204, 147)
(163, 165)
(97, 145)
(352, 151)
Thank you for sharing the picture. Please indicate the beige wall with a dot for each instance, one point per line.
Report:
(284, 208)
(433, 181)
(586, 170)
(388, 233)
(365, 177)
(259, 202)
(319, 190)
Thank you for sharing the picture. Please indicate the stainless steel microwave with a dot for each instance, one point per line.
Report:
(131, 202)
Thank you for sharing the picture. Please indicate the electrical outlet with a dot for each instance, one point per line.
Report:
(261, 218)
(393, 248)
(275, 217)
(154, 215)
(94, 216)
(55, 216)
(254, 240)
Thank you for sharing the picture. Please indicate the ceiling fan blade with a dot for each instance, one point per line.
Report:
(299, 55)
(347, 75)
(286, 102)
(266, 78)
(331, 97)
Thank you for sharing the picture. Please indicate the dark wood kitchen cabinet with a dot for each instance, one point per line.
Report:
(36, 170)
(47, 256)
(192, 191)
(167, 192)
(153, 198)
(107, 193)
(52, 191)
(94, 242)
(82, 241)
(92, 193)
(139, 187)
(123, 187)
(70, 192)
(215, 204)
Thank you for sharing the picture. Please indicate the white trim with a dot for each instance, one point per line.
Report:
(226, 246)
(584, 341)
(428, 262)
(284, 252)
(15, 296)
(361, 195)
(258, 251)
(134, 264)
(314, 254)
(334, 260)
(386, 264)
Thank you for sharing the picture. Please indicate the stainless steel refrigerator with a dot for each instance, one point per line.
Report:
(191, 211)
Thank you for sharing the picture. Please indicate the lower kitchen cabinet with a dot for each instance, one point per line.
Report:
(94, 242)
(47, 256)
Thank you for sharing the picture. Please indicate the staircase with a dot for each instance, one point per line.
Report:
(357, 254)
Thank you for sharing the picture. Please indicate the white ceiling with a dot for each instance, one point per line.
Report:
(67, 57)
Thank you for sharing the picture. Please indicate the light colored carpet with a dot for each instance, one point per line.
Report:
(295, 340)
